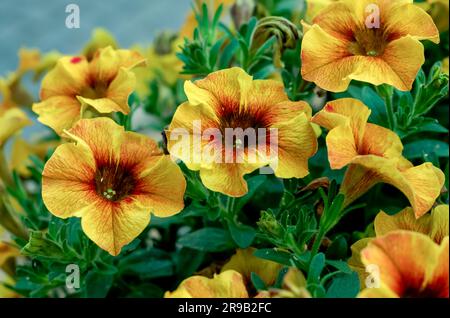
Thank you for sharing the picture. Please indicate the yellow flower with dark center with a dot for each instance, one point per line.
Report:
(375, 41)
(77, 88)
(435, 225)
(228, 284)
(113, 180)
(373, 154)
(407, 264)
(214, 122)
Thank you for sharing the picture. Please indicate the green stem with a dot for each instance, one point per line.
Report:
(317, 242)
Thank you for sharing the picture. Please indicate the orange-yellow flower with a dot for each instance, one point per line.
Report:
(373, 154)
(230, 100)
(434, 225)
(228, 284)
(77, 88)
(375, 41)
(113, 180)
(408, 264)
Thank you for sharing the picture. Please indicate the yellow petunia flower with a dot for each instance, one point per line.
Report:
(113, 180)
(228, 284)
(373, 154)
(374, 41)
(77, 88)
(435, 225)
(245, 263)
(232, 125)
(406, 264)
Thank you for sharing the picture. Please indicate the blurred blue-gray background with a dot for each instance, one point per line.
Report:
(41, 24)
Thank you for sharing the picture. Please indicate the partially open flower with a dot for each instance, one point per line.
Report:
(407, 264)
(375, 41)
(373, 154)
(232, 125)
(228, 284)
(77, 88)
(113, 180)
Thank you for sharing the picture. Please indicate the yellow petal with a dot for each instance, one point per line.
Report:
(296, 144)
(12, 121)
(67, 185)
(344, 111)
(439, 223)
(228, 284)
(245, 263)
(421, 184)
(68, 77)
(355, 262)
(162, 188)
(326, 60)
(403, 220)
(58, 112)
(434, 224)
(397, 66)
(409, 19)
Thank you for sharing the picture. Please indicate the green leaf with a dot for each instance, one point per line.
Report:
(39, 245)
(338, 248)
(344, 286)
(258, 282)
(152, 268)
(98, 285)
(242, 234)
(423, 148)
(208, 240)
(316, 267)
(339, 265)
(272, 254)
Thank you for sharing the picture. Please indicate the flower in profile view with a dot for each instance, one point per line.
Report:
(434, 225)
(373, 154)
(113, 180)
(232, 125)
(408, 265)
(228, 284)
(374, 41)
(77, 88)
